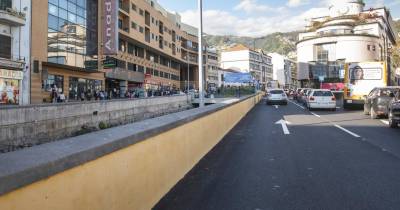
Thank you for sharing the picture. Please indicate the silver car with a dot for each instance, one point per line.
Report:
(276, 96)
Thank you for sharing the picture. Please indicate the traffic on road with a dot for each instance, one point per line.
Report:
(289, 157)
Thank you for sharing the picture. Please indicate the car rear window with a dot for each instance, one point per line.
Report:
(322, 93)
(276, 92)
(387, 92)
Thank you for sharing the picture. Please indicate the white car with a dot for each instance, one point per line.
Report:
(321, 99)
(276, 96)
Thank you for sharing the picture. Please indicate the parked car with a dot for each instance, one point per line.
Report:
(276, 96)
(304, 98)
(301, 96)
(321, 99)
(394, 111)
(296, 93)
(377, 102)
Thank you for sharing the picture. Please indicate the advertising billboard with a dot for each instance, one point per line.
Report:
(110, 27)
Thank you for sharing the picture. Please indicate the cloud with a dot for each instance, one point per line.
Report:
(251, 6)
(218, 22)
(296, 3)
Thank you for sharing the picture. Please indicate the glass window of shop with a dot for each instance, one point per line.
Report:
(53, 81)
(72, 32)
(9, 91)
(79, 87)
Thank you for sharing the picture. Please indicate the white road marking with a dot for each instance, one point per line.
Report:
(347, 131)
(276, 106)
(284, 126)
(297, 104)
(385, 122)
(315, 114)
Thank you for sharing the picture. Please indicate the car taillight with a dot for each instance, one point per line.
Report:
(333, 98)
(311, 98)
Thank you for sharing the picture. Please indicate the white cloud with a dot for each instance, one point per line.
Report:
(251, 6)
(296, 3)
(220, 22)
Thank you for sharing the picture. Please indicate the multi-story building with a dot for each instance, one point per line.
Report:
(155, 43)
(283, 70)
(212, 68)
(348, 34)
(14, 51)
(244, 59)
(150, 48)
(64, 50)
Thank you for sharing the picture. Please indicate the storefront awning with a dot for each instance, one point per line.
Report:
(123, 74)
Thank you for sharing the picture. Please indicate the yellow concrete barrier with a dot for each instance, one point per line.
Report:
(135, 177)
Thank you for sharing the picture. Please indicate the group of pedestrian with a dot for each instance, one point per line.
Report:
(57, 95)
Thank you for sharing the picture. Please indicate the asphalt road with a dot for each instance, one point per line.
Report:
(329, 161)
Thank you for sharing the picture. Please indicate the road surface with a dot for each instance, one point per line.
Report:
(326, 161)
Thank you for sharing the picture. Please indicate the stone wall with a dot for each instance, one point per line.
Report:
(24, 126)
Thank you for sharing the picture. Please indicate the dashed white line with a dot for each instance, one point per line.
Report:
(276, 106)
(315, 114)
(297, 104)
(385, 122)
(347, 131)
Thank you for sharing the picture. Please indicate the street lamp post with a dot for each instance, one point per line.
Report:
(200, 50)
(188, 72)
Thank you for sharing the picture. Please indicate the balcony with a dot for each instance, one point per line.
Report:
(12, 62)
(12, 17)
(124, 6)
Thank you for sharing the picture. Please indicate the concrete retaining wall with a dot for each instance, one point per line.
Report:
(30, 125)
(122, 168)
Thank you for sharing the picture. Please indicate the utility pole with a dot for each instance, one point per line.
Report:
(200, 50)
(99, 38)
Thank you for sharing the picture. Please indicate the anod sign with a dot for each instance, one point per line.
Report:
(110, 27)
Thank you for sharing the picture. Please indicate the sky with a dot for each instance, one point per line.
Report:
(260, 17)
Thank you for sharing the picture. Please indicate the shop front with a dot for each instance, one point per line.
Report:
(120, 81)
(72, 85)
(10, 82)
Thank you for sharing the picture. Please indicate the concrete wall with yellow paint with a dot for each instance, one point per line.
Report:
(135, 177)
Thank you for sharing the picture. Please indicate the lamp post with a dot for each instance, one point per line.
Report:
(188, 72)
(200, 50)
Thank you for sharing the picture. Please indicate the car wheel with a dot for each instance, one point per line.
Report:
(366, 111)
(373, 114)
(391, 123)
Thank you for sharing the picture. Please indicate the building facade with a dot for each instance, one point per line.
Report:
(284, 70)
(157, 46)
(243, 59)
(64, 50)
(348, 34)
(14, 52)
(143, 47)
(212, 68)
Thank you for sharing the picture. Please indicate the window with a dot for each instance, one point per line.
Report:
(133, 7)
(5, 49)
(325, 52)
(131, 67)
(70, 23)
(141, 29)
(134, 25)
(141, 12)
(4, 4)
(53, 81)
(131, 48)
(152, 20)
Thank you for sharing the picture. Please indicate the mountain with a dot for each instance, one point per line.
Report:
(283, 43)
